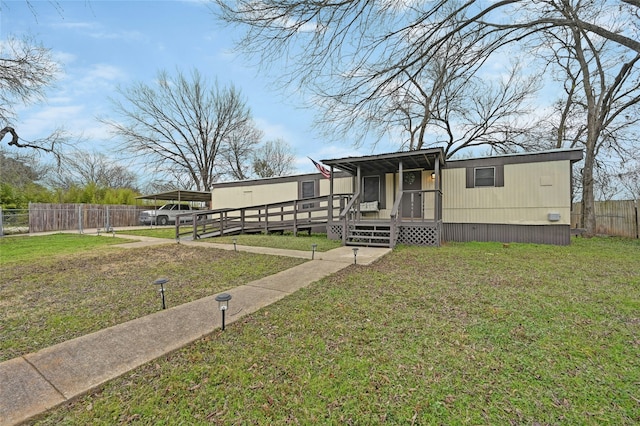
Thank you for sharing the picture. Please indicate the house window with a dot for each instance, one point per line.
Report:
(371, 190)
(484, 176)
(308, 190)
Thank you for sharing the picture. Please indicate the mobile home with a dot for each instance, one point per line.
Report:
(419, 197)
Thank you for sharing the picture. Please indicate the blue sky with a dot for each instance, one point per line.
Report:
(103, 44)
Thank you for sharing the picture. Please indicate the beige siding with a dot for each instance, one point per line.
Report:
(391, 187)
(428, 198)
(254, 195)
(531, 191)
(340, 186)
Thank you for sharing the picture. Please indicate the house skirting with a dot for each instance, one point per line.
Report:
(416, 234)
(538, 234)
(420, 234)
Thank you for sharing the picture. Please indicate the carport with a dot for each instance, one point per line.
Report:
(179, 195)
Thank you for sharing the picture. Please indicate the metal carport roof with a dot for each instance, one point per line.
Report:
(179, 195)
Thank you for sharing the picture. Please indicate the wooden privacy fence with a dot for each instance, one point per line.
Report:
(59, 217)
(614, 217)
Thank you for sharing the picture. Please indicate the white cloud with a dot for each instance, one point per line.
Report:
(274, 131)
(83, 26)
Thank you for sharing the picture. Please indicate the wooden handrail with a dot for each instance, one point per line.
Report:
(396, 205)
(221, 219)
(349, 205)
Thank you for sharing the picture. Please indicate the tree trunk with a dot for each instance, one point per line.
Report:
(588, 217)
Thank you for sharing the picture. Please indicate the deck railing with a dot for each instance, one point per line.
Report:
(294, 215)
(348, 214)
(416, 198)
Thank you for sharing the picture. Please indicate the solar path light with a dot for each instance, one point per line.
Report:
(161, 282)
(355, 255)
(313, 250)
(223, 304)
(235, 241)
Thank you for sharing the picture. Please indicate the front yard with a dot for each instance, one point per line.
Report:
(472, 333)
(62, 286)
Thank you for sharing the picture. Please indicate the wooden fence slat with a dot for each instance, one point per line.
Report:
(613, 217)
(45, 217)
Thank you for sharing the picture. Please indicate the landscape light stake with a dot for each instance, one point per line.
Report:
(161, 282)
(223, 304)
(355, 255)
(313, 250)
(235, 241)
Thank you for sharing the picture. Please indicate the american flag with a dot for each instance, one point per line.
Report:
(322, 169)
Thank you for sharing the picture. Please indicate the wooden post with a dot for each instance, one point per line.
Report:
(295, 218)
(358, 188)
(438, 194)
(400, 186)
(330, 206)
(266, 218)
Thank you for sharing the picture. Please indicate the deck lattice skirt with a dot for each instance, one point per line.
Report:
(422, 235)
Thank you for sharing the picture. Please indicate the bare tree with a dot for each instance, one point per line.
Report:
(26, 70)
(274, 158)
(181, 125)
(601, 104)
(82, 168)
(358, 53)
(236, 154)
(630, 181)
(20, 168)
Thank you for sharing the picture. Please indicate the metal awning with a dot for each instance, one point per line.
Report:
(179, 195)
(389, 163)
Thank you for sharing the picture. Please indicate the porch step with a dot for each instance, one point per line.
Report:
(370, 235)
(367, 244)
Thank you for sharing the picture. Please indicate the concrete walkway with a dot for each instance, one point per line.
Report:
(34, 383)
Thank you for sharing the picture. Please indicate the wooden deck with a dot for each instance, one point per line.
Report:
(337, 215)
(295, 216)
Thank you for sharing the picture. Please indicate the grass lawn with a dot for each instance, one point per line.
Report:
(62, 286)
(286, 241)
(463, 334)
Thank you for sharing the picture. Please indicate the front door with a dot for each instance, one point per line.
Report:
(412, 201)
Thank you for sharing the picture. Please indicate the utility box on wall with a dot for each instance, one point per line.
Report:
(553, 217)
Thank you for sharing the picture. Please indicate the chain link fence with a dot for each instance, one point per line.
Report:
(14, 221)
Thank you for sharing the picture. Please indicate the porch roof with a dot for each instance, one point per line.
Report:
(389, 163)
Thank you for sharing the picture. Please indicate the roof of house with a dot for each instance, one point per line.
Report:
(561, 154)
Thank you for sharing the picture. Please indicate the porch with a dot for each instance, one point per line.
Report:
(397, 198)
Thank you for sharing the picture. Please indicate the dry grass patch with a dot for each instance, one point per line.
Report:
(45, 301)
